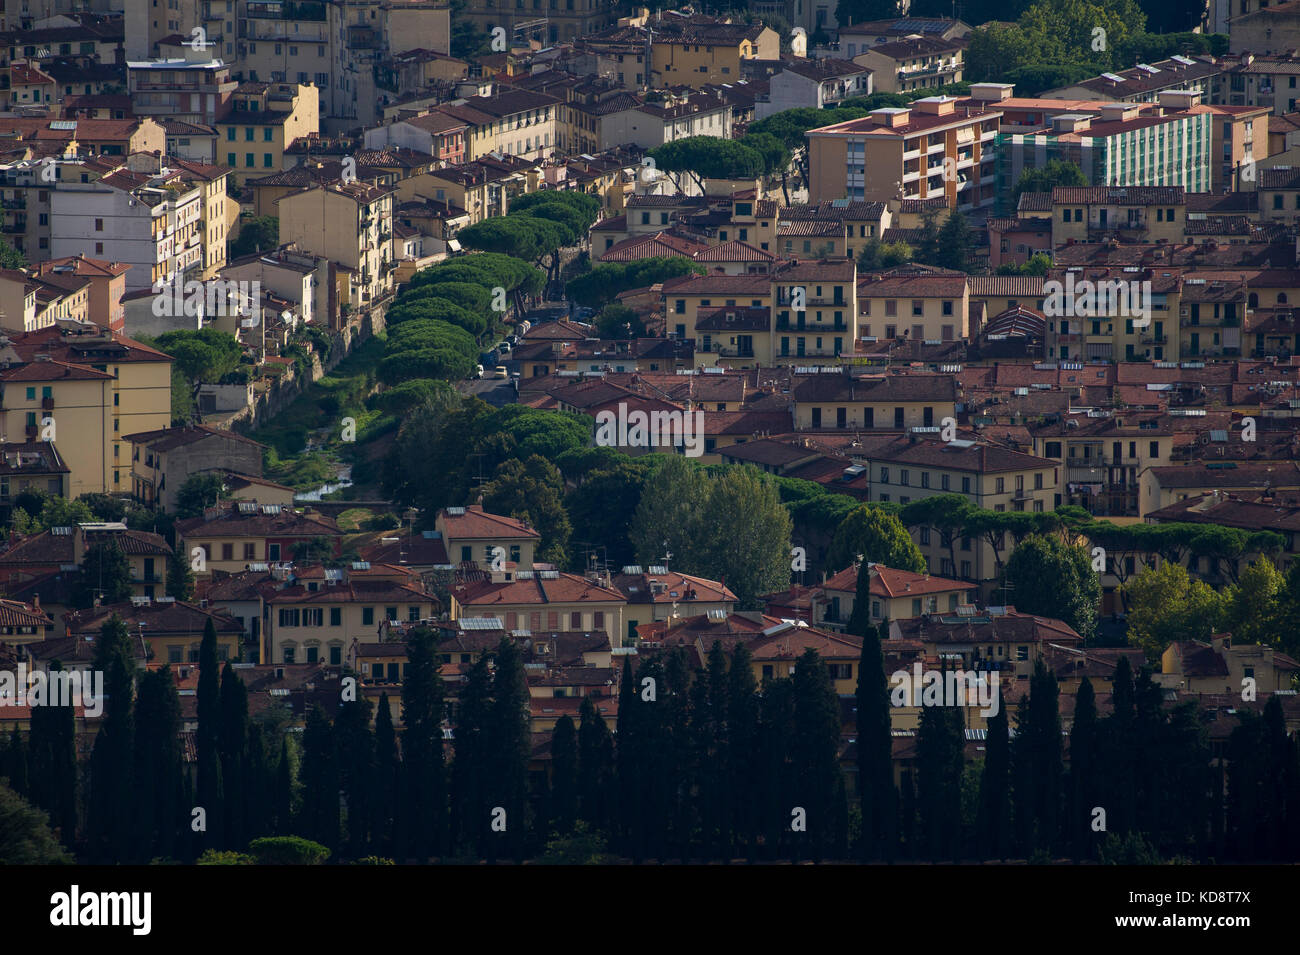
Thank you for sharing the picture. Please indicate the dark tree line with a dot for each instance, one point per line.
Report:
(1139, 784)
(703, 764)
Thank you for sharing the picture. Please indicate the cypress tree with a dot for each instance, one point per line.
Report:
(1281, 789)
(877, 795)
(717, 794)
(258, 785)
(207, 740)
(387, 770)
(564, 770)
(1038, 764)
(1083, 770)
(594, 765)
(158, 767)
(993, 837)
(630, 760)
(111, 800)
(1118, 773)
(356, 771)
(776, 789)
(52, 762)
(675, 759)
(907, 815)
(509, 749)
(283, 795)
(659, 783)
(424, 801)
(180, 580)
(696, 784)
(469, 771)
(939, 762)
(320, 780)
(232, 742)
(860, 620)
(1248, 832)
(742, 749)
(1149, 756)
(816, 752)
(14, 765)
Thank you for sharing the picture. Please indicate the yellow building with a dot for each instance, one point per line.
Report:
(694, 54)
(264, 120)
(1129, 213)
(350, 224)
(814, 310)
(472, 535)
(542, 601)
(842, 401)
(234, 535)
(927, 150)
(218, 213)
(90, 390)
(685, 297)
(1118, 314)
(319, 615)
(171, 630)
(917, 303)
(1219, 667)
(1104, 456)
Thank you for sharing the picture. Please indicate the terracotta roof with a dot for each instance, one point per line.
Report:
(533, 588)
(478, 524)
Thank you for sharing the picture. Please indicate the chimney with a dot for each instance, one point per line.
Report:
(36, 602)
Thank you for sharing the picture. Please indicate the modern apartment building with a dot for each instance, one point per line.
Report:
(940, 147)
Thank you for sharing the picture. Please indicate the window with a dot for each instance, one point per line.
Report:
(289, 617)
(272, 552)
(390, 613)
(99, 225)
(227, 551)
(368, 616)
(313, 617)
(336, 616)
(336, 655)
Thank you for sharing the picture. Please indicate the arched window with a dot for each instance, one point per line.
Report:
(1281, 298)
(1253, 301)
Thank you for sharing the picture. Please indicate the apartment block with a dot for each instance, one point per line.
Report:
(934, 149)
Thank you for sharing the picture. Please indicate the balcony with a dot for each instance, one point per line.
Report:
(47, 404)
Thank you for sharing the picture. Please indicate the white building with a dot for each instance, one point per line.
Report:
(156, 229)
(677, 116)
(814, 84)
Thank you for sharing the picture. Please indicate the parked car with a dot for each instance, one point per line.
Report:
(478, 371)
(501, 372)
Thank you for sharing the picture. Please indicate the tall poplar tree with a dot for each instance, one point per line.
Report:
(387, 775)
(52, 761)
(564, 769)
(232, 748)
(207, 739)
(158, 766)
(320, 780)
(877, 795)
(109, 823)
(510, 747)
(357, 776)
(424, 801)
(815, 754)
(469, 771)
